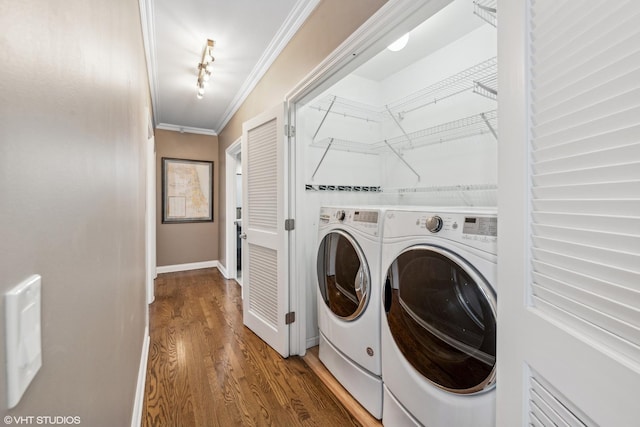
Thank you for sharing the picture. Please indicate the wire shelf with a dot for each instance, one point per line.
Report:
(442, 189)
(450, 131)
(486, 10)
(451, 86)
(477, 124)
(446, 195)
(451, 195)
(348, 108)
(487, 87)
(350, 145)
(484, 73)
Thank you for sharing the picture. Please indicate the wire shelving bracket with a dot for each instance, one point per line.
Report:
(486, 10)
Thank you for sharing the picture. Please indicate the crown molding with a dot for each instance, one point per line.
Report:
(289, 28)
(186, 129)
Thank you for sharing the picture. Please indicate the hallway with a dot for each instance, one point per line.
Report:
(206, 369)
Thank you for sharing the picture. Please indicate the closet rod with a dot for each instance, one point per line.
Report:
(398, 155)
(322, 159)
(322, 122)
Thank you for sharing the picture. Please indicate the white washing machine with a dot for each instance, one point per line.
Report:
(438, 327)
(349, 291)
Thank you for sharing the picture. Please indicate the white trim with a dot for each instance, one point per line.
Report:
(150, 220)
(187, 267)
(138, 403)
(392, 20)
(148, 37)
(186, 129)
(312, 342)
(230, 205)
(223, 271)
(289, 28)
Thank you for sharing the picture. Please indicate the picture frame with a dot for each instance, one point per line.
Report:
(187, 191)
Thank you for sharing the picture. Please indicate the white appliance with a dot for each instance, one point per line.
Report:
(438, 327)
(349, 292)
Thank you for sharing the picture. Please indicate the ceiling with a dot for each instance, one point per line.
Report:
(248, 36)
(452, 22)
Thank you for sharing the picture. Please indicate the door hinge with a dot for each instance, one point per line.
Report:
(289, 130)
(290, 317)
(289, 224)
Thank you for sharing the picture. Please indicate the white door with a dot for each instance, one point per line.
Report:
(569, 213)
(265, 244)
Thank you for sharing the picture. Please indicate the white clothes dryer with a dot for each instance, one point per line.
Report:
(438, 327)
(348, 266)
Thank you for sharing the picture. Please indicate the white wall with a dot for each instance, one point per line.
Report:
(466, 161)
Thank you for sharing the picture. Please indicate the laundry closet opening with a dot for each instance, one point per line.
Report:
(413, 127)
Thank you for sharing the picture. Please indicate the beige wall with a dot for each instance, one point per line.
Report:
(193, 242)
(73, 127)
(327, 27)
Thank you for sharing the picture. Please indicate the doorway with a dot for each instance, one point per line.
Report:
(233, 252)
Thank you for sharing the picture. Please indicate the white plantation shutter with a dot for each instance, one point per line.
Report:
(549, 408)
(263, 299)
(263, 185)
(585, 123)
(569, 203)
(265, 248)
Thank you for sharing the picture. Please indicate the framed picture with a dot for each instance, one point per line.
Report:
(187, 191)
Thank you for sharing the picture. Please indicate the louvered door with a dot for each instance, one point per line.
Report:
(264, 248)
(569, 192)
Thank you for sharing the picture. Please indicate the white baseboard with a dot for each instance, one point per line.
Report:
(313, 341)
(138, 403)
(223, 270)
(186, 267)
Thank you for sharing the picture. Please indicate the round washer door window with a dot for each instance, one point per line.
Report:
(343, 275)
(442, 315)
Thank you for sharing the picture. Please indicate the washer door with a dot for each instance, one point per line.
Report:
(343, 275)
(442, 316)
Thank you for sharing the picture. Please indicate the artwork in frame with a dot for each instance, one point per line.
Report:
(187, 191)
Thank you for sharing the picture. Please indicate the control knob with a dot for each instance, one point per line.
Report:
(434, 224)
(341, 215)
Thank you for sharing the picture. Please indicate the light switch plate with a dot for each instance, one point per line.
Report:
(24, 344)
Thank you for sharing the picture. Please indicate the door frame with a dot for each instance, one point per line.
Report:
(150, 220)
(231, 246)
(391, 21)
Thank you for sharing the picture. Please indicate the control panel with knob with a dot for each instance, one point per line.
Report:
(434, 224)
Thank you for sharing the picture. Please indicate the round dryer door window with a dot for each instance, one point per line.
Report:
(343, 275)
(442, 315)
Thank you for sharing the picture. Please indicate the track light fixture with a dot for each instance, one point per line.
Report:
(205, 67)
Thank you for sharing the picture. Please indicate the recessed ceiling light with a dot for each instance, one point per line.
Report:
(399, 44)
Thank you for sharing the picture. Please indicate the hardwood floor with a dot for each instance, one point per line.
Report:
(206, 369)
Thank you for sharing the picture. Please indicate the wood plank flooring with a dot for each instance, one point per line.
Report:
(206, 369)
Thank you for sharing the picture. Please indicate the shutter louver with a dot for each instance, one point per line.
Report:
(263, 295)
(585, 111)
(262, 179)
(547, 407)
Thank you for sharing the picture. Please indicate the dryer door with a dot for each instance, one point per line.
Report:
(442, 315)
(343, 275)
